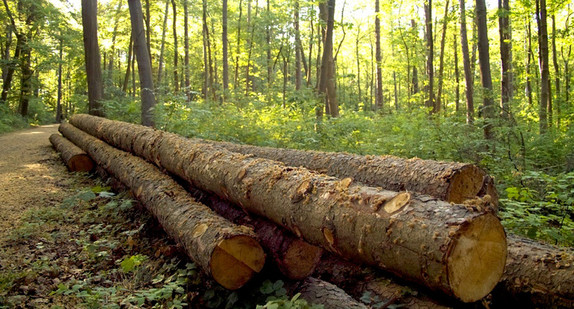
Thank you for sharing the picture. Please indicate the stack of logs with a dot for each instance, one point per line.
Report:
(231, 207)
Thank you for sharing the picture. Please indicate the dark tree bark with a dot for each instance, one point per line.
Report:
(268, 46)
(484, 59)
(506, 83)
(456, 74)
(224, 45)
(207, 67)
(162, 48)
(129, 67)
(8, 67)
(528, 88)
(187, 84)
(415, 81)
(59, 99)
(379, 59)
(147, 20)
(430, 101)
(92, 56)
(438, 101)
(327, 87)
(469, 91)
(298, 47)
(557, 94)
(238, 47)
(175, 49)
(144, 63)
(110, 78)
(544, 99)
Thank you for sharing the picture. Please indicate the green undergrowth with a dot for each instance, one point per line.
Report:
(102, 250)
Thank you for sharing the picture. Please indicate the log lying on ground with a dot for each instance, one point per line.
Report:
(444, 247)
(75, 158)
(316, 291)
(294, 257)
(537, 275)
(361, 281)
(449, 181)
(228, 252)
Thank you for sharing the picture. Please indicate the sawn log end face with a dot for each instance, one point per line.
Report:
(235, 260)
(477, 258)
(300, 259)
(465, 184)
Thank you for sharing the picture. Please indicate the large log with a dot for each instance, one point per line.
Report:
(228, 252)
(449, 181)
(316, 291)
(444, 247)
(75, 158)
(537, 275)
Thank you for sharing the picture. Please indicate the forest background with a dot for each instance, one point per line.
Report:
(487, 83)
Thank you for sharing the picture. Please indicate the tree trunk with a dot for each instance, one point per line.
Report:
(544, 99)
(327, 86)
(113, 48)
(227, 252)
(75, 158)
(59, 99)
(11, 66)
(206, 54)
(452, 182)
(162, 48)
(506, 83)
(320, 292)
(456, 74)
(147, 20)
(224, 43)
(430, 102)
(536, 276)
(528, 88)
(379, 59)
(350, 220)
(128, 69)
(484, 59)
(238, 47)
(467, 67)
(25, 76)
(557, 95)
(187, 84)
(175, 49)
(92, 56)
(438, 102)
(144, 64)
(298, 48)
(268, 46)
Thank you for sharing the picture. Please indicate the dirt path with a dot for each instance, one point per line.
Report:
(30, 175)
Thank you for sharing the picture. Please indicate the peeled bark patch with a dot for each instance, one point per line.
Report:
(452, 182)
(422, 241)
(227, 252)
(75, 158)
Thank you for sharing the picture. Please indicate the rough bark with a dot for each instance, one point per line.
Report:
(485, 76)
(430, 102)
(505, 33)
(227, 252)
(544, 66)
(75, 158)
(537, 275)
(327, 87)
(162, 48)
(452, 182)
(438, 102)
(298, 47)
(294, 257)
(186, 74)
(416, 237)
(316, 291)
(92, 56)
(59, 96)
(379, 90)
(175, 49)
(224, 43)
(144, 63)
(467, 67)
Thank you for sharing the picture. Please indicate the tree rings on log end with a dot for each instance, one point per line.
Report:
(465, 184)
(235, 260)
(397, 202)
(300, 259)
(80, 163)
(477, 258)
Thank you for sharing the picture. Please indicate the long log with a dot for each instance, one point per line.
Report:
(228, 252)
(75, 158)
(444, 247)
(316, 291)
(537, 275)
(449, 181)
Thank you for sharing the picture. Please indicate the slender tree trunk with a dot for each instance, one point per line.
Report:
(59, 99)
(505, 58)
(250, 23)
(528, 88)
(225, 76)
(129, 66)
(415, 81)
(92, 56)
(467, 67)
(147, 20)
(544, 108)
(379, 91)
(358, 58)
(438, 102)
(327, 86)
(298, 48)
(268, 47)
(312, 35)
(186, 51)
(175, 49)
(205, 32)
(162, 48)
(6, 54)
(238, 47)
(113, 48)
(11, 67)
(484, 58)
(430, 102)
(456, 74)
(557, 95)
(144, 63)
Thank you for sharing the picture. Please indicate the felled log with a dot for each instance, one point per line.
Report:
(228, 252)
(316, 291)
(537, 275)
(444, 247)
(294, 257)
(449, 181)
(75, 158)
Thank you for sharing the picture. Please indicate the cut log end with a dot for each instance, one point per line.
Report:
(465, 184)
(80, 163)
(243, 254)
(300, 259)
(397, 202)
(477, 258)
